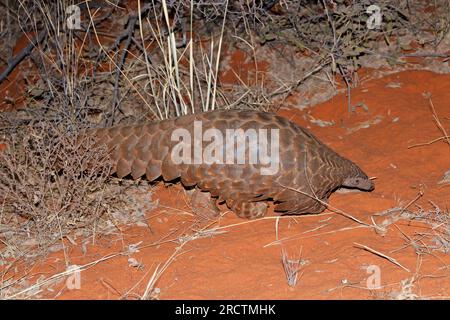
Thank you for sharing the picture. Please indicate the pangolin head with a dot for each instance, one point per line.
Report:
(356, 178)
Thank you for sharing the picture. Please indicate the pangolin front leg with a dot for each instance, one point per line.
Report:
(203, 204)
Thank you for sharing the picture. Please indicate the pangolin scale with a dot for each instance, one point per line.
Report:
(307, 169)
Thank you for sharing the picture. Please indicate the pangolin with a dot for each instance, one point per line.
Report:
(242, 157)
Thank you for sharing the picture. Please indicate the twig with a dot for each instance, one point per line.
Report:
(269, 4)
(429, 142)
(436, 119)
(22, 54)
(426, 54)
(446, 137)
(66, 273)
(296, 84)
(297, 237)
(378, 253)
(330, 207)
(348, 81)
(105, 52)
(116, 94)
(419, 195)
(159, 270)
(141, 48)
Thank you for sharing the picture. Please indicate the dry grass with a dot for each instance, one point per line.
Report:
(439, 220)
(438, 237)
(50, 185)
(292, 266)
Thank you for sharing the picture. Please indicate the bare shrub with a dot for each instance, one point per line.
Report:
(50, 184)
(439, 237)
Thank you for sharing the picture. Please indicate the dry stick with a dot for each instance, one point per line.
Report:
(172, 66)
(147, 60)
(191, 57)
(438, 124)
(14, 280)
(269, 4)
(86, 266)
(297, 237)
(9, 30)
(349, 88)
(141, 48)
(123, 74)
(331, 22)
(22, 54)
(419, 195)
(178, 210)
(426, 54)
(263, 218)
(213, 103)
(296, 84)
(129, 34)
(378, 253)
(428, 143)
(338, 211)
(159, 271)
(305, 161)
(436, 119)
(109, 286)
(412, 242)
(129, 292)
(67, 272)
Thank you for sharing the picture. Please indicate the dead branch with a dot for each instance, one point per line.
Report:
(22, 54)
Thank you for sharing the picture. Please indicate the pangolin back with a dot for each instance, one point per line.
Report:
(308, 171)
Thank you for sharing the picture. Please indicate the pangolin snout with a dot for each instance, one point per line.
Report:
(367, 185)
(360, 183)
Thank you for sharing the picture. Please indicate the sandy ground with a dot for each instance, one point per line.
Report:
(230, 258)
